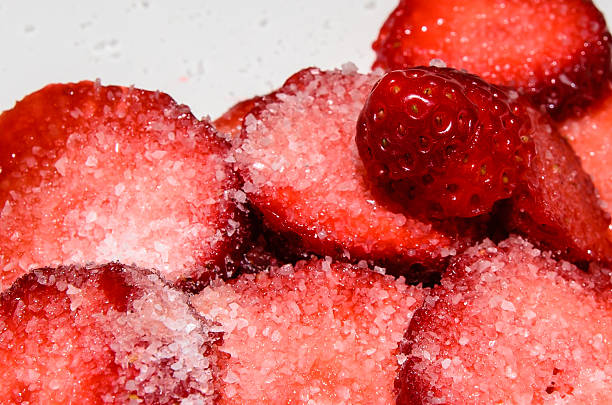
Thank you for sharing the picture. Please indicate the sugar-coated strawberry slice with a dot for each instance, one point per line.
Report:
(556, 51)
(103, 334)
(303, 172)
(93, 173)
(231, 120)
(591, 137)
(319, 332)
(559, 208)
(508, 324)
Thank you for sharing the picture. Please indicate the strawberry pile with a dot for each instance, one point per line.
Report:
(438, 233)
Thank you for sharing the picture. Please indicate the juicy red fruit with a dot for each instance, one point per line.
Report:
(445, 142)
(555, 51)
(110, 334)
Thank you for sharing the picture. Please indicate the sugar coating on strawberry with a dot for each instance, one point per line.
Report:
(558, 208)
(591, 137)
(556, 51)
(303, 172)
(230, 122)
(508, 324)
(102, 334)
(445, 142)
(319, 332)
(92, 173)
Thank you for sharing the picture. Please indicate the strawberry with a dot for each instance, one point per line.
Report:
(508, 324)
(95, 173)
(318, 332)
(591, 137)
(558, 207)
(449, 144)
(557, 52)
(101, 334)
(231, 120)
(303, 174)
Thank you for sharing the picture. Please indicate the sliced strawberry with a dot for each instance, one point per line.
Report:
(591, 137)
(302, 171)
(508, 324)
(444, 142)
(103, 334)
(319, 332)
(558, 52)
(94, 174)
(231, 120)
(559, 207)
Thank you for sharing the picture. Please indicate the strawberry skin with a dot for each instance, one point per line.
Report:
(447, 143)
(557, 52)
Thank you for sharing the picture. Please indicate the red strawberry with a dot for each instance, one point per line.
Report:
(231, 121)
(447, 143)
(508, 324)
(317, 332)
(558, 207)
(103, 334)
(303, 174)
(591, 137)
(94, 174)
(556, 51)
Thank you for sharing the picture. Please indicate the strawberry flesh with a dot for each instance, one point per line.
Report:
(557, 52)
(93, 173)
(303, 174)
(508, 324)
(101, 334)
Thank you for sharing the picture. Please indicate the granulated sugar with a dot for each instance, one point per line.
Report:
(97, 174)
(321, 332)
(303, 172)
(508, 324)
(106, 334)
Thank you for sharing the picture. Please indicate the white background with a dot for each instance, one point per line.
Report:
(207, 54)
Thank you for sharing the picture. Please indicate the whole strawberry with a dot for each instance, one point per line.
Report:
(445, 142)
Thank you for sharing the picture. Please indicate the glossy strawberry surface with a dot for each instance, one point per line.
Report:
(444, 142)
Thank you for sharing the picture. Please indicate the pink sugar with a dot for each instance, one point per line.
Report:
(508, 324)
(136, 179)
(303, 171)
(319, 332)
(106, 334)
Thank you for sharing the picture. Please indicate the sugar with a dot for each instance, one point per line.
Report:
(283, 356)
(522, 316)
(130, 336)
(300, 148)
(97, 192)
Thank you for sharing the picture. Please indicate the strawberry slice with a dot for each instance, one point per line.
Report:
(231, 120)
(558, 52)
(591, 137)
(93, 173)
(317, 332)
(303, 173)
(508, 324)
(559, 207)
(103, 334)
